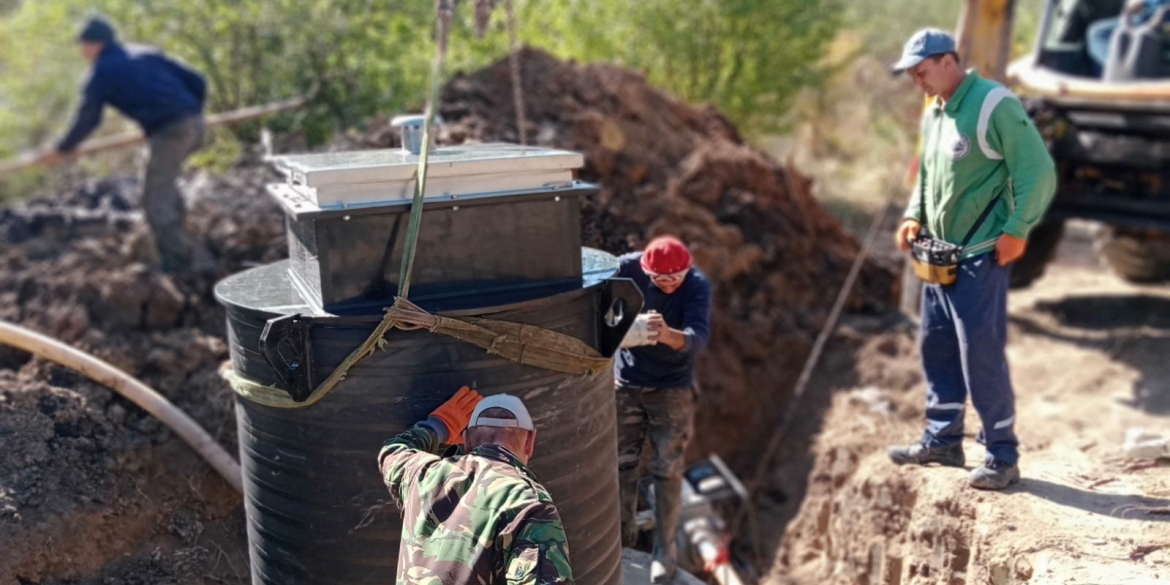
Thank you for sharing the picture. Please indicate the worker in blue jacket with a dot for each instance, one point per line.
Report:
(166, 99)
(655, 377)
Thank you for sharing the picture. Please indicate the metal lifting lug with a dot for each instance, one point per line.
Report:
(287, 348)
(620, 302)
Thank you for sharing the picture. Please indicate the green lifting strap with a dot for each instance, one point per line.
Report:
(446, 11)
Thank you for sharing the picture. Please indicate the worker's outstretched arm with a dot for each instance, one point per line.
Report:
(405, 459)
(539, 554)
(88, 117)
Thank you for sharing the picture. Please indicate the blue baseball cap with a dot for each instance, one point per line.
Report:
(927, 42)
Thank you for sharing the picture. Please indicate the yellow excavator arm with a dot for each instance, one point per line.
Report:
(985, 36)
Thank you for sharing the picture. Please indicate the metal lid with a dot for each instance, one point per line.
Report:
(344, 178)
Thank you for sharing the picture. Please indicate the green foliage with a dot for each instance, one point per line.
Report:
(1027, 22)
(38, 78)
(220, 153)
(748, 57)
(886, 24)
(352, 57)
(358, 58)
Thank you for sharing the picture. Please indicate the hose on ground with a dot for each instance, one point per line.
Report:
(130, 388)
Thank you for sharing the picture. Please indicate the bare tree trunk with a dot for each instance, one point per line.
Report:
(517, 80)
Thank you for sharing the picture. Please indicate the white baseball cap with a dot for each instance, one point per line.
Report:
(507, 402)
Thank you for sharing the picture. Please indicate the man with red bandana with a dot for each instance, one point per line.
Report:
(654, 374)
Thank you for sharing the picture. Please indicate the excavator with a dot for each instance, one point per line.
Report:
(1107, 127)
(1108, 131)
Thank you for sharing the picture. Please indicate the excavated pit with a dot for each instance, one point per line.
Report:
(95, 491)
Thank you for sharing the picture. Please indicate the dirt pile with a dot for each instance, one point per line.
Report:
(86, 476)
(775, 256)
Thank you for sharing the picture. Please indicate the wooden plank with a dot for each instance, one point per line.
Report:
(29, 158)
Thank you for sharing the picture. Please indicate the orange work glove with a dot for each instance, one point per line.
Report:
(456, 412)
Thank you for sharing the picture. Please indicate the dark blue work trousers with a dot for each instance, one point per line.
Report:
(962, 339)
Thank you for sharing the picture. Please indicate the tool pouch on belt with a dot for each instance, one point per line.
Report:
(936, 261)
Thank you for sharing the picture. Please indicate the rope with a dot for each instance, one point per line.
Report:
(520, 343)
(814, 356)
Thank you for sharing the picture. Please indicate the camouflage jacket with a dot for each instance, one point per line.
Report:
(479, 518)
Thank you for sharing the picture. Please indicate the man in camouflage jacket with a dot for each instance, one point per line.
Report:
(477, 518)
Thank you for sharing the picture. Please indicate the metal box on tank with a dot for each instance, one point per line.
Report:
(499, 217)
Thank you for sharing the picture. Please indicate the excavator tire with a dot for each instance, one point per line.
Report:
(1041, 249)
(1137, 256)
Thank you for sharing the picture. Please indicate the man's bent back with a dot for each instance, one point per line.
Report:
(478, 518)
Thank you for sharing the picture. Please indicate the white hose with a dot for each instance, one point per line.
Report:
(133, 390)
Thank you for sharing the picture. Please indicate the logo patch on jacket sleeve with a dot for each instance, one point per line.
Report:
(960, 147)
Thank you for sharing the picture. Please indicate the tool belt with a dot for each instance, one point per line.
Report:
(936, 261)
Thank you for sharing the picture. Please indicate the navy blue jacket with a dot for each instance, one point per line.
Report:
(143, 84)
(687, 309)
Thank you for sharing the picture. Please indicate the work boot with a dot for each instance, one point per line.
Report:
(922, 454)
(663, 570)
(667, 503)
(994, 475)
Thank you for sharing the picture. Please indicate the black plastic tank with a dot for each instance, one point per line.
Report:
(500, 238)
(317, 510)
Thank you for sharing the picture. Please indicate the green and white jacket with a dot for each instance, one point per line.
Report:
(981, 144)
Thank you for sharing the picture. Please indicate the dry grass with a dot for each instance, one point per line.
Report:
(855, 138)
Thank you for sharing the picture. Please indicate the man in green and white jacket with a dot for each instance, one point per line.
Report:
(985, 180)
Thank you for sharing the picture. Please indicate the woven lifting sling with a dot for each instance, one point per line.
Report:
(525, 344)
